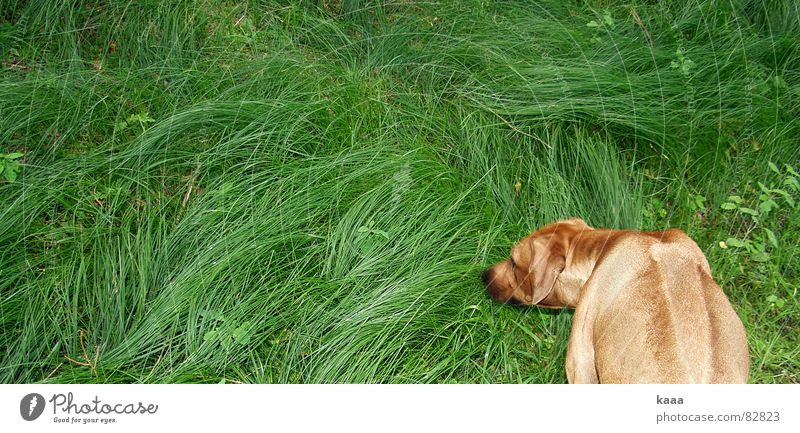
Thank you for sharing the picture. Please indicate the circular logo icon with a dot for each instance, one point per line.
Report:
(31, 406)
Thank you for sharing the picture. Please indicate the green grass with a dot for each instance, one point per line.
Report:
(300, 192)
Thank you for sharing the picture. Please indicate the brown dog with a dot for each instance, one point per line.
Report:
(646, 307)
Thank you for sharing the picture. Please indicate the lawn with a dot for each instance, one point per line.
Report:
(222, 191)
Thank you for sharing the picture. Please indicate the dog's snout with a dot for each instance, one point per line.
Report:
(496, 288)
(486, 276)
(489, 283)
(514, 301)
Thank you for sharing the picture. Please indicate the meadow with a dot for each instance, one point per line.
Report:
(206, 191)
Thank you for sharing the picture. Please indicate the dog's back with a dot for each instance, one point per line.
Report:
(678, 325)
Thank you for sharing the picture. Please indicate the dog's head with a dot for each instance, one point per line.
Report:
(529, 276)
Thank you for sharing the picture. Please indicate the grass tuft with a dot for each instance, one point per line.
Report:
(308, 192)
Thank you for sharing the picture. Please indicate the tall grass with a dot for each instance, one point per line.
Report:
(293, 192)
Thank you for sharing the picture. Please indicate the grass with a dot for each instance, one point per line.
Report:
(307, 192)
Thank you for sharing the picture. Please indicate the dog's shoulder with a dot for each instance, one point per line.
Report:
(675, 246)
(656, 245)
(663, 240)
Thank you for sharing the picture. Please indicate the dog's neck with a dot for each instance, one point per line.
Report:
(584, 251)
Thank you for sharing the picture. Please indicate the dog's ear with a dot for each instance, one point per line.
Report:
(549, 260)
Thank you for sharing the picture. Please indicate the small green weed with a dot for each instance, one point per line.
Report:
(225, 333)
(10, 165)
(607, 21)
(697, 203)
(683, 63)
(142, 118)
(369, 237)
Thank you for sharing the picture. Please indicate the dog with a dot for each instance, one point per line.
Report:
(646, 307)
